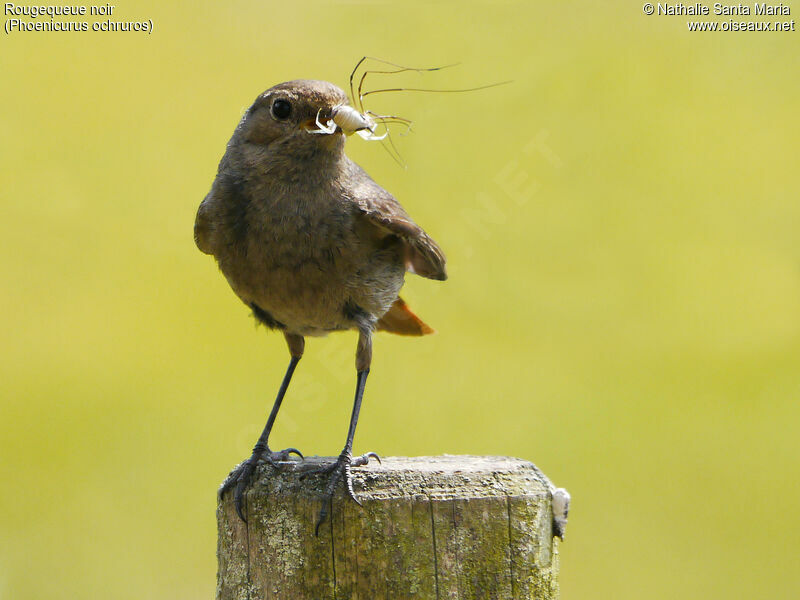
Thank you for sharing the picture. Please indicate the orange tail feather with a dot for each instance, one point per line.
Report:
(399, 319)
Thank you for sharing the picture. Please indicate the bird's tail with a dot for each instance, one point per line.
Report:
(399, 319)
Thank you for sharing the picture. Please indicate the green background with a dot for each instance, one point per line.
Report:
(623, 309)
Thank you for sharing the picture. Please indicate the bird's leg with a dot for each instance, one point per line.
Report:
(341, 468)
(241, 474)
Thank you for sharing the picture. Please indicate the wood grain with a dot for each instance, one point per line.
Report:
(442, 527)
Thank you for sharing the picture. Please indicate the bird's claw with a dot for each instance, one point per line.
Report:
(341, 468)
(241, 474)
(364, 459)
(274, 458)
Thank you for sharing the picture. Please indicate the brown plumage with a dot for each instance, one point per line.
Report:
(310, 242)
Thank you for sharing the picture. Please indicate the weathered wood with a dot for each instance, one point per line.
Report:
(455, 527)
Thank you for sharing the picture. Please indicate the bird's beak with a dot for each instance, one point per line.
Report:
(322, 123)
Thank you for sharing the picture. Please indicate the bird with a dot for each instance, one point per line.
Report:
(312, 245)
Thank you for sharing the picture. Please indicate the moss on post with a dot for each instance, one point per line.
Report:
(455, 527)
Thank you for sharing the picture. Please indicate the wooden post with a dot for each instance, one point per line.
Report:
(442, 527)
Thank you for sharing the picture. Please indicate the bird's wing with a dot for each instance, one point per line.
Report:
(203, 228)
(423, 255)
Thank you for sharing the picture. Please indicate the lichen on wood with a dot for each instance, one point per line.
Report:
(443, 527)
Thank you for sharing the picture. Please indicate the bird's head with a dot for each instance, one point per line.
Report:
(285, 117)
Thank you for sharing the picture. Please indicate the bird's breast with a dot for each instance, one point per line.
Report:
(304, 259)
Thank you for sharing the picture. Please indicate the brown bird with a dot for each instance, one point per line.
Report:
(311, 244)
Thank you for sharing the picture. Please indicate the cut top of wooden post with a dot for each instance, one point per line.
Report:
(459, 527)
(452, 476)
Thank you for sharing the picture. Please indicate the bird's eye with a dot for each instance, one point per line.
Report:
(281, 109)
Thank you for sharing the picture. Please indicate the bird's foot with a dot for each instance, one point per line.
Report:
(241, 474)
(338, 470)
